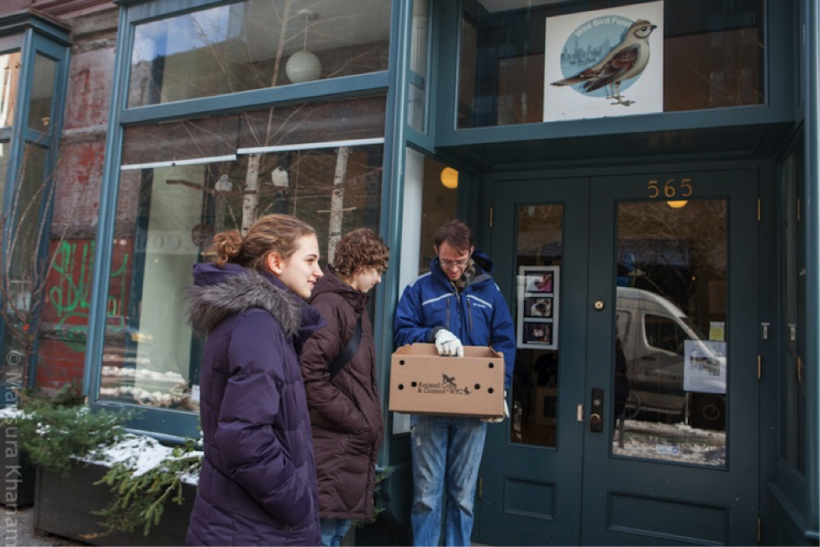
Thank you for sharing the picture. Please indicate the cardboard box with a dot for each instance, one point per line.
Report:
(423, 382)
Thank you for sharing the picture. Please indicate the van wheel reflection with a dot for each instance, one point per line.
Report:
(633, 406)
(707, 411)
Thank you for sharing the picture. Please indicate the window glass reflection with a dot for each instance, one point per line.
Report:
(669, 377)
(256, 44)
(9, 78)
(792, 293)
(539, 244)
(713, 57)
(4, 164)
(417, 90)
(42, 93)
(438, 205)
(23, 248)
(168, 214)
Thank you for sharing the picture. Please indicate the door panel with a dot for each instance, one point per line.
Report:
(658, 341)
(663, 495)
(523, 481)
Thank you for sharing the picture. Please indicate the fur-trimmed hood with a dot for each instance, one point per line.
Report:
(257, 485)
(219, 292)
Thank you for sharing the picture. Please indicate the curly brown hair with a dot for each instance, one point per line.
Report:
(269, 233)
(360, 249)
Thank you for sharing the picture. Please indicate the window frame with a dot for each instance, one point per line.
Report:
(32, 36)
(168, 424)
(778, 107)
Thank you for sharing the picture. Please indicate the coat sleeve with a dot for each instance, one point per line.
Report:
(503, 336)
(253, 455)
(408, 326)
(321, 348)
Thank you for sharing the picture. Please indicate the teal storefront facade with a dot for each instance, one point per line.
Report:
(655, 232)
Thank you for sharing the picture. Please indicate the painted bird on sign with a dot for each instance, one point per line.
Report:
(626, 60)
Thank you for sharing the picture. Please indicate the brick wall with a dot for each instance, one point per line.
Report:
(78, 183)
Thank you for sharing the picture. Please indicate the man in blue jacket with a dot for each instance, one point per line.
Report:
(456, 304)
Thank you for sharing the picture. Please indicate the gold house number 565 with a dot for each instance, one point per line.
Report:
(670, 189)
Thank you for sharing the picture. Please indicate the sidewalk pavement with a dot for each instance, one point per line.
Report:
(17, 528)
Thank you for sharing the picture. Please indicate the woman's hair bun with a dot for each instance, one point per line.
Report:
(227, 246)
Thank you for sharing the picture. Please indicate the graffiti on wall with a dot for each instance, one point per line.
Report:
(70, 291)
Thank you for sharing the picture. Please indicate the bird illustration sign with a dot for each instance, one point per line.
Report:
(604, 63)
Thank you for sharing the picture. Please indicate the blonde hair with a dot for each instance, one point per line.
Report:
(270, 233)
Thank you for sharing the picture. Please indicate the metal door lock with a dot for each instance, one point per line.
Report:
(599, 305)
(596, 411)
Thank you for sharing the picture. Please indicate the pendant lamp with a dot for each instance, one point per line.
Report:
(304, 66)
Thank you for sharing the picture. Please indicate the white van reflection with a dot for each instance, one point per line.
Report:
(652, 331)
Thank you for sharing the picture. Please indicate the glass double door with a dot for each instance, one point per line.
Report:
(634, 403)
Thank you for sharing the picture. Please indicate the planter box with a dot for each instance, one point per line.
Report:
(18, 473)
(64, 507)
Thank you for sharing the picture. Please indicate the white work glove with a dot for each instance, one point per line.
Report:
(448, 344)
(499, 420)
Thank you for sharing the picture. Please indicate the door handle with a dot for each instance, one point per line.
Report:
(596, 411)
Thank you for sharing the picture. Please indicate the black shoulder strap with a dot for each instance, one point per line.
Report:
(348, 352)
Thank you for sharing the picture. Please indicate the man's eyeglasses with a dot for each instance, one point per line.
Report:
(450, 263)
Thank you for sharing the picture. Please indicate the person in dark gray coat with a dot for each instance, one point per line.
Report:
(258, 481)
(345, 411)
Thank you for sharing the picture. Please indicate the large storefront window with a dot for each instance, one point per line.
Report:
(256, 44)
(708, 55)
(183, 182)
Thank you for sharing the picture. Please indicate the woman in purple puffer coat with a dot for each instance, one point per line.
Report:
(258, 480)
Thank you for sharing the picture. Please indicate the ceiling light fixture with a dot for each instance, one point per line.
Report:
(304, 66)
(449, 178)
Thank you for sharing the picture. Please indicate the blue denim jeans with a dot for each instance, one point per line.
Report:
(446, 454)
(333, 531)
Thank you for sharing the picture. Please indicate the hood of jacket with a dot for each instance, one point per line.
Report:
(221, 291)
(330, 282)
